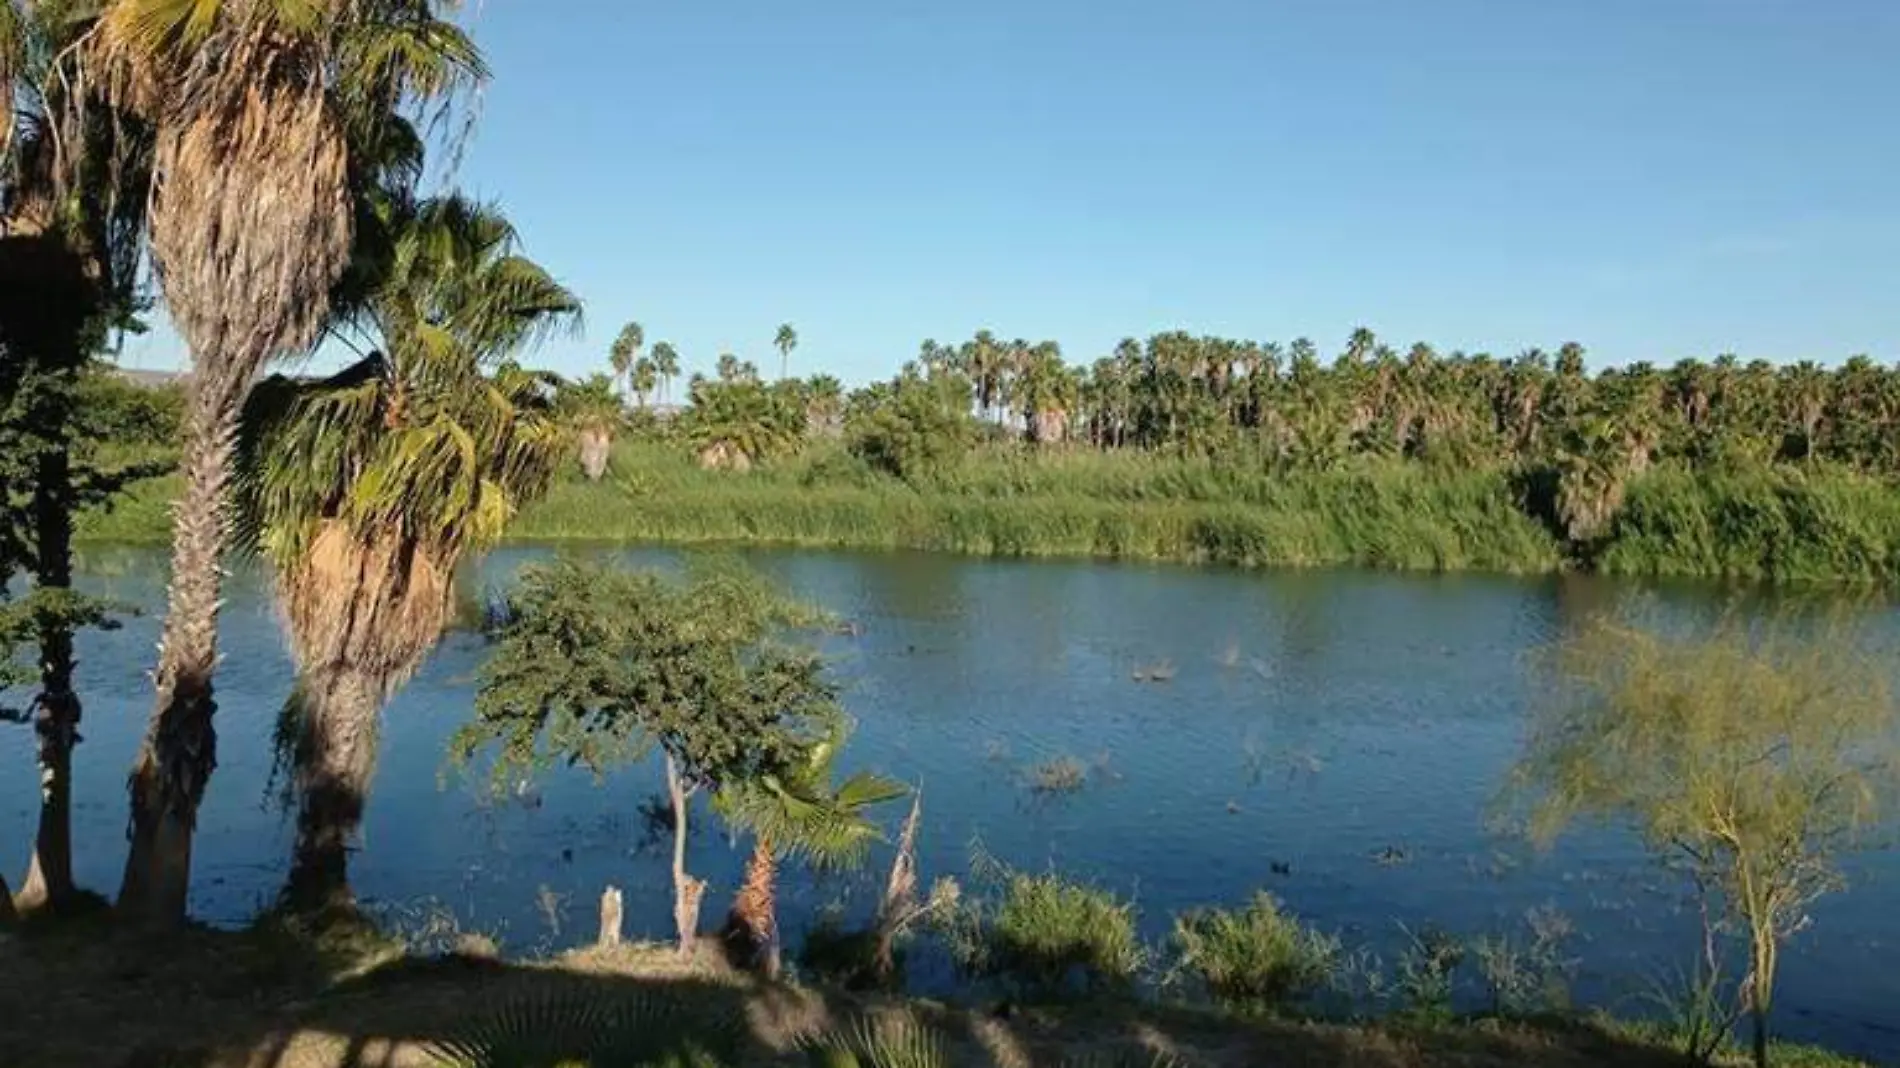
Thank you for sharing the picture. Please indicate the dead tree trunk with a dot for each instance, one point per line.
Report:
(687, 890)
(900, 896)
(610, 919)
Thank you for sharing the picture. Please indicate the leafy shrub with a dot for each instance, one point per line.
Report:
(1046, 933)
(1254, 958)
(910, 427)
(127, 414)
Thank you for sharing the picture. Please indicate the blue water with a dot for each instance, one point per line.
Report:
(1316, 721)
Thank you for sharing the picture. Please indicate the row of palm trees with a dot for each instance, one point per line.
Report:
(266, 155)
(644, 374)
(1176, 390)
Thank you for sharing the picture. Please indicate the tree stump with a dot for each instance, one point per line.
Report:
(610, 913)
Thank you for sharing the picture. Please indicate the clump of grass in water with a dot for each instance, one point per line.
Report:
(1255, 959)
(1059, 775)
(1528, 974)
(1045, 934)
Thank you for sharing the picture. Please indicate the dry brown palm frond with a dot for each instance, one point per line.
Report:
(251, 221)
(375, 601)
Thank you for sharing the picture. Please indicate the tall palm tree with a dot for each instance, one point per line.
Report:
(254, 104)
(785, 341)
(74, 184)
(642, 378)
(666, 364)
(365, 491)
(798, 814)
(626, 352)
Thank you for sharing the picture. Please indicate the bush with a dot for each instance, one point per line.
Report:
(915, 427)
(1254, 958)
(1047, 933)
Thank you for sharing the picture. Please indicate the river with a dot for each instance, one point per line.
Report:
(1335, 737)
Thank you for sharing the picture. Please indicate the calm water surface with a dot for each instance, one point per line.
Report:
(1320, 726)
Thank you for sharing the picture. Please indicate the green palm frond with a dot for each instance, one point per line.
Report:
(650, 1028)
(900, 1041)
(403, 52)
(424, 438)
(802, 814)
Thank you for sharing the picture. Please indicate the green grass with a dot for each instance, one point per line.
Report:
(140, 515)
(1255, 958)
(1010, 504)
(1783, 525)
(1044, 933)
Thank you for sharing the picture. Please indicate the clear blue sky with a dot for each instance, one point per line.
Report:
(1653, 178)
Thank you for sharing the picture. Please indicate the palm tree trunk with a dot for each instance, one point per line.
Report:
(752, 926)
(687, 891)
(335, 763)
(179, 752)
(596, 447)
(49, 880)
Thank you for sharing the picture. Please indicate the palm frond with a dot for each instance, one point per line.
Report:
(889, 1041)
(649, 1028)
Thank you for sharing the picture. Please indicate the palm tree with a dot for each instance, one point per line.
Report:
(666, 364)
(798, 813)
(365, 491)
(255, 105)
(824, 406)
(643, 377)
(591, 408)
(626, 352)
(736, 422)
(74, 185)
(785, 341)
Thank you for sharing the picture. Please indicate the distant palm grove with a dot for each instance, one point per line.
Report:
(1209, 449)
(1204, 449)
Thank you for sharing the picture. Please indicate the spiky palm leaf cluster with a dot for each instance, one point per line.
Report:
(743, 414)
(804, 815)
(647, 1028)
(436, 439)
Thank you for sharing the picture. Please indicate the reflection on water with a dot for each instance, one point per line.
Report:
(1335, 737)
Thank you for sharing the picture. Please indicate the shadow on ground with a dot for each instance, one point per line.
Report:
(87, 995)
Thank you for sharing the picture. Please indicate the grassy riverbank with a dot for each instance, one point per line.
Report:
(1784, 524)
(86, 995)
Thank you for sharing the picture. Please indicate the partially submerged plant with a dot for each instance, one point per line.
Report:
(1046, 933)
(1058, 775)
(1256, 958)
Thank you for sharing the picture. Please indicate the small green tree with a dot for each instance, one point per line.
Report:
(912, 425)
(596, 666)
(1754, 759)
